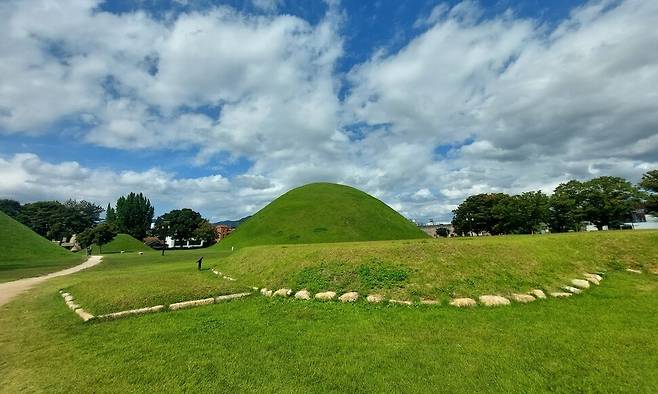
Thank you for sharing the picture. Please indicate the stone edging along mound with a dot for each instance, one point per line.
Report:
(86, 316)
(576, 286)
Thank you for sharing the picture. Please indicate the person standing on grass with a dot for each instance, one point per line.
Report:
(199, 262)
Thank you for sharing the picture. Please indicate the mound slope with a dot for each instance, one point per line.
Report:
(25, 253)
(319, 213)
(125, 242)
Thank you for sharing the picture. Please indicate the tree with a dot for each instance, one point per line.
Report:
(534, 212)
(205, 232)
(134, 214)
(99, 235)
(650, 184)
(609, 200)
(81, 215)
(566, 207)
(10, 207)
(183, 224)
(476, 214)
(46, 218)
(442, 232)
(110, 215)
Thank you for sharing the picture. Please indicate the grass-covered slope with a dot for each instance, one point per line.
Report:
(24, 253)
(443, 268)
(322, 212)
(122, 242)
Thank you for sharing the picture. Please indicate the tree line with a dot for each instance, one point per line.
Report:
(603, 201)
(132, 214)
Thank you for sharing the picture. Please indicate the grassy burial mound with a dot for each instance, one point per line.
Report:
(322, 212)
(122, 242)
(24, 253)
(444, 268)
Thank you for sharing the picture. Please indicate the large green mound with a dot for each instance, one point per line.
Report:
(322, 212)
(122, 242)
(25, 253)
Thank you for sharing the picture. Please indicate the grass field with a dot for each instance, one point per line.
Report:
(444, 268)
(322, 212)
(124, 242)
(601, 341)
(24, 253)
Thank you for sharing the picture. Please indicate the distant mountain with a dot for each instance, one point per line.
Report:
(232, 223)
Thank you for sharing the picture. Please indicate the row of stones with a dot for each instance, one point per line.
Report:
(86, 316)
(214, 271)
(575, 287)
(70, 302)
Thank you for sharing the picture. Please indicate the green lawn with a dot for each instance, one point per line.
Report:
(443, 268)
(122, 242)
(601, 341)
(24, 253)
(127, 281)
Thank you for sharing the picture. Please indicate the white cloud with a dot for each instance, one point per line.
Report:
(523, 105)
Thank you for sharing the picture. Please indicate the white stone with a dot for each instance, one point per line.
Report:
(571, 289)
(266, 292)
(141, 253)
(349, 297)
(189, 304)
(73, 306)
(282, 292)
(463, 302)
(400, 302)
(325, 296)
(68, 298)
(426, 301)
(522, 298)
(538, 293)
(375, 298)
(84, 315)
(493, 300)
(580, 283)
(592, 279)
(230, 296)
(130, 312)
(560, 294)
(633, 270)
(303, 295)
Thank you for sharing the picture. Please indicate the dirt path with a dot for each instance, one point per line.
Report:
(9, 290)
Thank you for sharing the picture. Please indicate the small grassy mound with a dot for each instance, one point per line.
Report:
(320, 213)
(122, 242)
(24, 253)
(443, 268)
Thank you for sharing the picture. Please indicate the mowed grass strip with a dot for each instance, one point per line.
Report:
(24, 253)
(444, 268)
(601, 341)
(129, 281)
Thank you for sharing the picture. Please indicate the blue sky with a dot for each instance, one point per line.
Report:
(222, 106)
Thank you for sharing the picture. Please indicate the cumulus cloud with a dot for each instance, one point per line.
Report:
(28, 178)
(472, 104)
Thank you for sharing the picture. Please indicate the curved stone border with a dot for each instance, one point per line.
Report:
(86, 316)
(69, 300)
(575, 286)
(214, 271)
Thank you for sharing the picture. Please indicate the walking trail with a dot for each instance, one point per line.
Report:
(10, 290)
